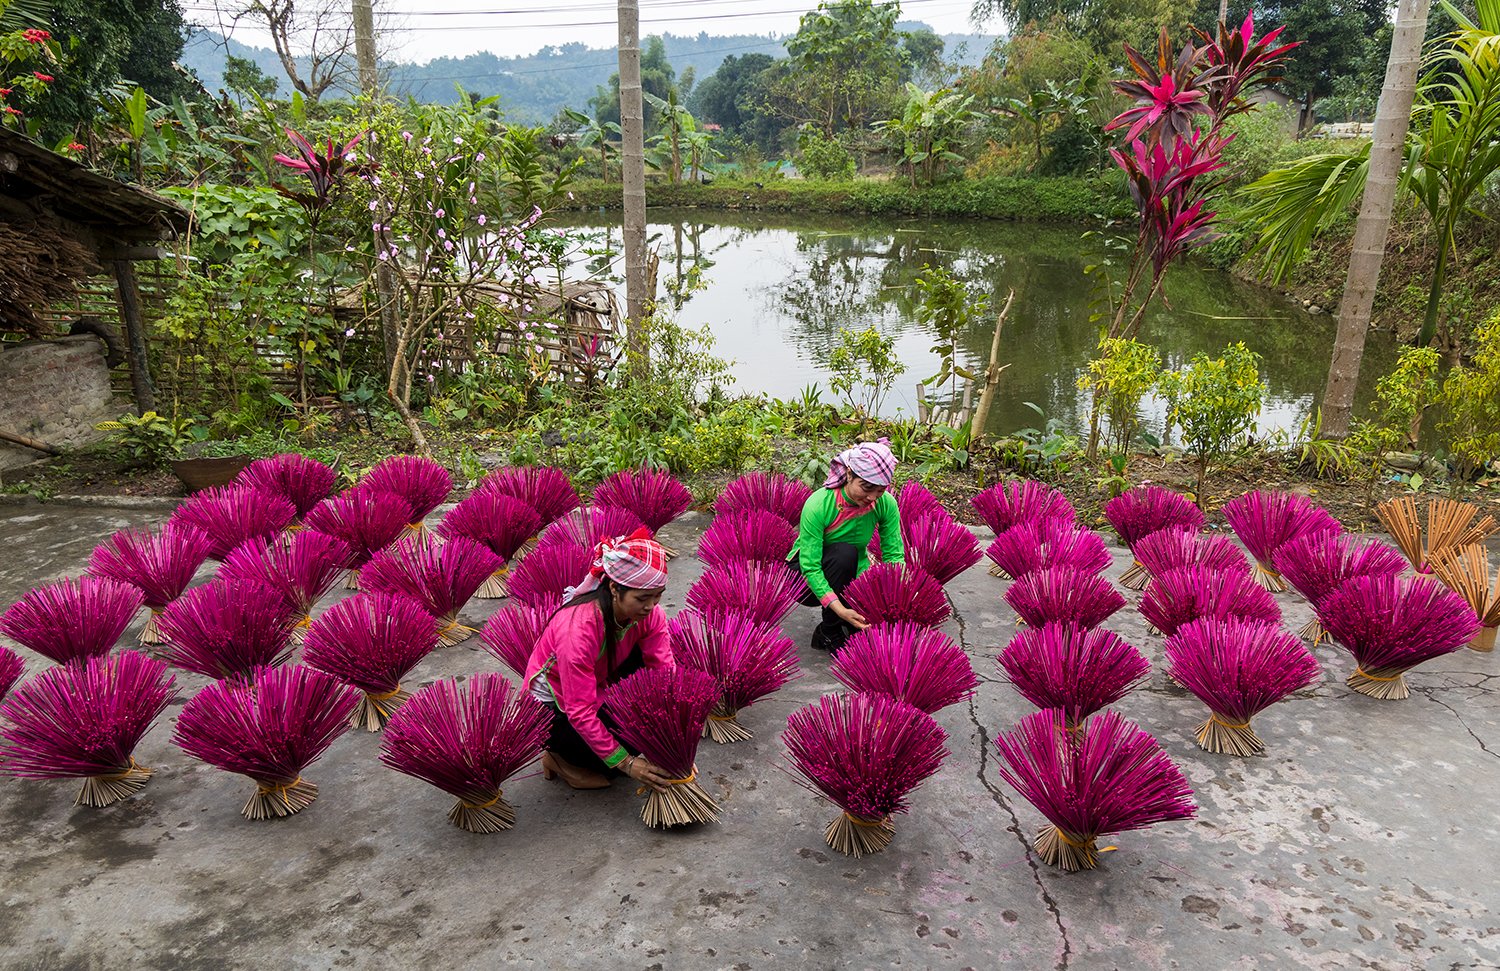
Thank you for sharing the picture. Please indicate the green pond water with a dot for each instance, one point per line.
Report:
(775, 290)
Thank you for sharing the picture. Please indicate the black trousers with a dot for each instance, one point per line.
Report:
(840, 560)
(568, 745)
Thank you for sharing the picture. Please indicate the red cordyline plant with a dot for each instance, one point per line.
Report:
(326, 168)
(543, 488)
(1318, 563)
(160, 565)
(661, 712)
(372, 641)
(301, 567)
(754, 535)
(1074, 669)
(512, 633)
(441, 576)
(72, 620)
(768, 491)
(889, 593)
(502, 523)
(748, 660)
(228, 630)
(587, 526)
(909, 662)
(1265, 520)
(303, 481)
(466, 740)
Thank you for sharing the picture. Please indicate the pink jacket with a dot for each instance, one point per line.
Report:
(570, 653)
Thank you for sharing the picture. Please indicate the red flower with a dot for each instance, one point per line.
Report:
(4, 92)
(44, 78)
(35, 36)
(11, 111)
(76, 147)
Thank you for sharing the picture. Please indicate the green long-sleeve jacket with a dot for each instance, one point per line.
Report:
(829, 508)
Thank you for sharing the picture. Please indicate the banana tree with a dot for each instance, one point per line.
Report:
(701, 152)
(676, 121)
(928, 127)
(597, 133)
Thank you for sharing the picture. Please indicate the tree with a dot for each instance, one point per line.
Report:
(658, 79)
(733, 97)
(928, 129)
(1335, 36)
(244, 78)
(314, 40)
(1104, 24)
(845, 65)
(597, 133)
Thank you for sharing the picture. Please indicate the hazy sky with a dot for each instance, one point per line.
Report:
(420, 30)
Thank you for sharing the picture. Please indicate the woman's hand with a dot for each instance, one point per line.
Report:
(640, 768)
(850, 616)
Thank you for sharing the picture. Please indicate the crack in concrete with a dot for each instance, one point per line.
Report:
(1427, 693)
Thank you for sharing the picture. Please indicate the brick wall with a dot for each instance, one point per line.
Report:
(54, 391)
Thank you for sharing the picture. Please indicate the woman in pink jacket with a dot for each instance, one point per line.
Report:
(608, 627)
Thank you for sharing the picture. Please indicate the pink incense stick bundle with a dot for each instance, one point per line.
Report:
(271, 731)
(1318, 563)
(938, 545)
(160, 565)
(512, 633)
(767, 491)
(1005, 504)
(1138, 512)
(888, 593)
(660, 712)
(587, 526)
(909, 662)
(83, 721)
(1063, 594)
(441, 576)
(746, 659)
(1265, 521)
(1073, 669)
(753, 535)
(1238, 669)
(235, 514)
(1108, 777)
(301, 567)
(498, 521)
(366, 520)
(423, 483)
(866, 754)
(302, 481)
(1190, 592)
(1391, 625)
(1167, 549)
(228, 630)
(467, 740)
(1031, 546)
(653, 495)
(913, 502)
(372, 641)
(545, 489)
(11, 667)
(70, 620)
(765, 592)
(546, 573)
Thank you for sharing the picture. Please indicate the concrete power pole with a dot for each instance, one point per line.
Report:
(633, 171)
(369, 86)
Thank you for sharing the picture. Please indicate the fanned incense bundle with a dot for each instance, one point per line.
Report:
(233, 515)
(227, 630)
(913, 502)
(1391, 625)
(512, 633)
(655, 496)
(501, 522)
(1006, 504)
(768, 491)
(660, 712)
(159, 565)
(1466, 571)
(372, 641)
(587, 526)
(1073, 669)
(888, 593)
(939, 546)
(1063, 594)
(70, 620)
(746, 659)
(302, 481)
(441, 576)
(1317, 564)
(1265, 521)
(1168, 549)
(545, 574)
(11, 667)
(753, 535)
(1190, 592)
(1238, 669)
(866, 754)
(545, 489)
(467, 741)
(1028, 547)
(423, 483)
(366, 520)
(909, 662)
(301, 567)
(83, 721)
(270, 731)
(1450, 524)
(765, 592)
(1143, 510)
(1109, 777)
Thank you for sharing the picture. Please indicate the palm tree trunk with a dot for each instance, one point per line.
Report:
(1392, 119)
(633, 174)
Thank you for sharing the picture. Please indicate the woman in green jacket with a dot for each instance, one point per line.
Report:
(837, 523)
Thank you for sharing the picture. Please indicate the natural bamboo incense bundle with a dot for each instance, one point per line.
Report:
(1076, 670)
(1031, 546)
(753, 535)
(1190, 592)
(660, 712)
(372, 641)
(545, 489)
(228, 630)
(301, 567)
(422, 482)
(866, 754)
(1449, 524)
(235, 514)
(1138, 512)
(302, 481)
(767, 491)
(1392, 624)
(441, 576)
(544, 574)
(587, 526)
(71, 620)
(366, 520)
(909, 662)
(160, 565)
(467, 740)
(1266, 520)
(655, 496)
(889, 593)
(765, 592)
(500, 522)
(11, 667)
(1466, 571)
(1061, 593)
(1317, 564)
(1238, 669)
(748, 660)
(511, 634)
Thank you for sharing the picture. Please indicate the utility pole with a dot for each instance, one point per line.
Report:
(369, 86)
(1223, 11)
(633, 173)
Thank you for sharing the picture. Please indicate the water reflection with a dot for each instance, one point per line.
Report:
(776, 289)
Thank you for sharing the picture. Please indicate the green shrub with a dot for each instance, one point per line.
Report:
(1471, 427)
(1120, 376)
(822, 157)
(1215, 401)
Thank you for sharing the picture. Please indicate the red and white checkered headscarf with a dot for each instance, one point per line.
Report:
(636, 561)
(872, 461)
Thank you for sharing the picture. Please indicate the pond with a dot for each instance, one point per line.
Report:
(776, 289)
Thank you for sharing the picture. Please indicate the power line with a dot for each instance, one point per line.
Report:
(612, 62)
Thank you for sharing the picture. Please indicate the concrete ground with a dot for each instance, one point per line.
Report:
(1366, 838)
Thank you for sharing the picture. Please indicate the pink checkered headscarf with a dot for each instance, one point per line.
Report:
(636, 561)
(872, 461)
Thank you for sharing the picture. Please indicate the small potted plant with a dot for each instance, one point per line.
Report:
(156, 440)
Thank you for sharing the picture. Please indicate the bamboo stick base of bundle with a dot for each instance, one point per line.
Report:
(1484, 641)
(495, 588)
(277, 801)
(299, 633)
(1222, 736)
(723, 726)
(351, 580)
(488, 816)
(104, 790)
(1059, 849)
(996, 571)
(454, 633)
(857, 837)
(684, 802)
(374, 710)
(151, 630)
(1136, 577)
(1268, 578)
(1313, 632)
(1387, 684)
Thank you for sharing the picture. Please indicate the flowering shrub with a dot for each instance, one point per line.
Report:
(20, 52)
